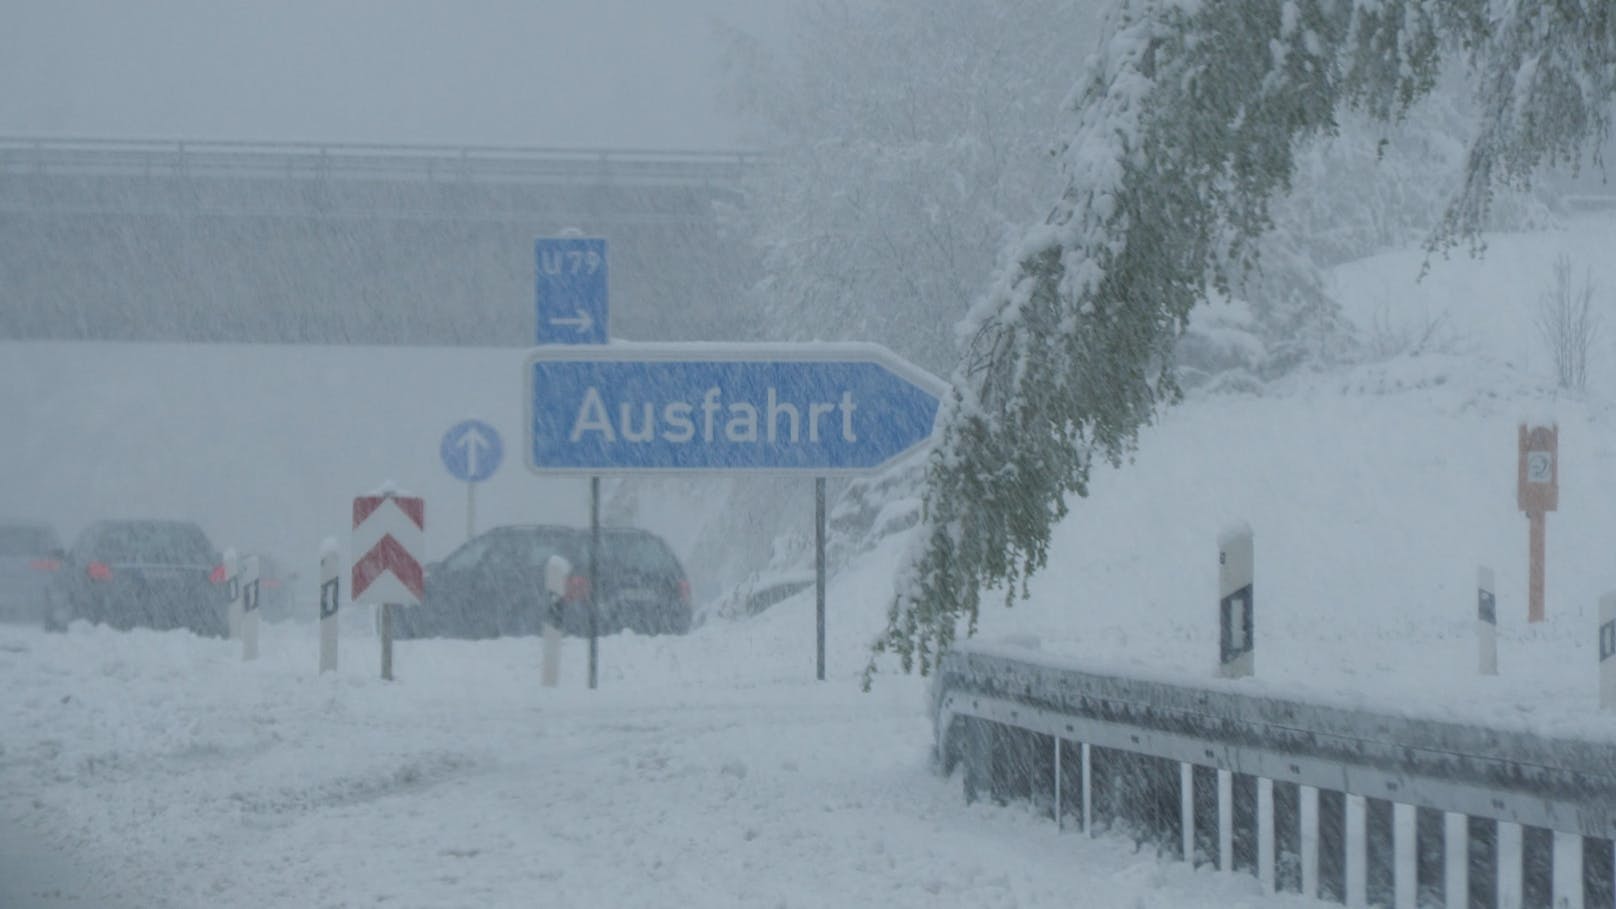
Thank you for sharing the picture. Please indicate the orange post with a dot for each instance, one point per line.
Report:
(1534, 602)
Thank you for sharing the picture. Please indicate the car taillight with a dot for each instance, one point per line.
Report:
(684, 590)
(218, 575)
(45, 564)
(577, 588)
(98, 571)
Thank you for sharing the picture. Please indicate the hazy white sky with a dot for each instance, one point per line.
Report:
(640, 73)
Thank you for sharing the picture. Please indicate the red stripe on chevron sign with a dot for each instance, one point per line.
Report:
(388, 556)
(389, 539)
(413, 507)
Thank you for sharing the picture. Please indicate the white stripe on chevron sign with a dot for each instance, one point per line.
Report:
(388, 520)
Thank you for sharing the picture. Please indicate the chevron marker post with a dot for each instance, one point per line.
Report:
(389, 535)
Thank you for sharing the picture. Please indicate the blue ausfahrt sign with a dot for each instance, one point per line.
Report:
(570, 290)
(816, 409)
(471, 450)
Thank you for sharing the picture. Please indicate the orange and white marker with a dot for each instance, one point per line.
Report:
(1538, 493)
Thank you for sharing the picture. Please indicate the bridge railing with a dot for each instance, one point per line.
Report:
(430, 163)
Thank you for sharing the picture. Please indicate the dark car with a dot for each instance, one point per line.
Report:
(148, 574)
(643, 586)
(494, 585)
(30, 554)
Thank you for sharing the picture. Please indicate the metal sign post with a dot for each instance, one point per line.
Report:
(594, 579)
(819, 574)
(1538, 493)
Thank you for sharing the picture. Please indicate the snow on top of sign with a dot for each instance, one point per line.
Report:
(764, 351)
(1540, 413)
(1233, 530)
(756, 350)
(328, 546)
(390, 488)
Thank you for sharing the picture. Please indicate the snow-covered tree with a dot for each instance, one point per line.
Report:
(907, 141)
(1187, 129)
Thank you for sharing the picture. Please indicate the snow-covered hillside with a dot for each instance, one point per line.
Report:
(1374, 492)
(709, 770)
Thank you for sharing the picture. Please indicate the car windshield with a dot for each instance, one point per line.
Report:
(155, 543)
(26, 540)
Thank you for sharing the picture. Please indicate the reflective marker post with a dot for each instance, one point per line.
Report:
(329, 574)
(556, 572)
(249, 608)
(232, 582)
(1607, 651)
(1486, 622)
(1236, 632)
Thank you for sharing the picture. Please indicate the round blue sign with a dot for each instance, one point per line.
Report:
(471, 450)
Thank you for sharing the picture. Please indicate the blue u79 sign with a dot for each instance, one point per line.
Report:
(570, 291)
(821, 409)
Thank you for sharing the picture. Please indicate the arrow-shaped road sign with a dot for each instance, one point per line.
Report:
(817, 409)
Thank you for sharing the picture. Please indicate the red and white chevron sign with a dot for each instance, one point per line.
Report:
(389, 535)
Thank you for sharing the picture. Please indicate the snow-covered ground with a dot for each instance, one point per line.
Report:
(709, 770)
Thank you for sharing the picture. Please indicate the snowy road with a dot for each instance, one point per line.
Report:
(183, 777)
(34, 876)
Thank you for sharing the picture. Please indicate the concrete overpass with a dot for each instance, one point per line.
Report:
(294, 242)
